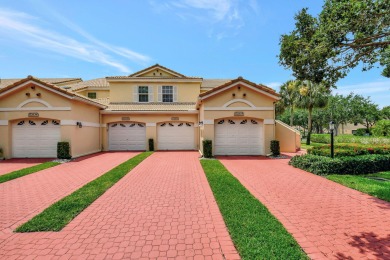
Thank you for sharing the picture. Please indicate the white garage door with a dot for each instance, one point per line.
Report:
(239, 137)
(35, 138)
(176, 136)
(127, 136)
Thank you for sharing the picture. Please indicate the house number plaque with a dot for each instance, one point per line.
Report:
(33, 114)
(125, 118)
(238, 113)
(174, 118)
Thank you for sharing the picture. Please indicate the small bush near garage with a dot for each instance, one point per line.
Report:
(361, 132)
(151, 144)
(275, 148)
(350, 149)
(356, 165)
(207, 148)
(1, 153)
(63, 150)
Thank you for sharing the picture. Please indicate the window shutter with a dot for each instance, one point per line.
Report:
(151, 94)
(159, 94)
(174, 94)
(135, 94)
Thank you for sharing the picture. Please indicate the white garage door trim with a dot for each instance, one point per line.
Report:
(239, 137)
(126, 136)
(176, 136)
(33, 138)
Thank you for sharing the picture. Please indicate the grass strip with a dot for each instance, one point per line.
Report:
(256, 233)
(58, 215)
(378, 189)
(26, 171)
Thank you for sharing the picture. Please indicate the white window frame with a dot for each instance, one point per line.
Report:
(161, 94)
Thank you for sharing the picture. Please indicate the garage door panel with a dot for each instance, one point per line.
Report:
(35, 138)
(238, 137)
(127, 136)
(176, 136)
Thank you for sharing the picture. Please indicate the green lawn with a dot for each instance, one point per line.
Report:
(58, 215)
(26, 171)
(379, 189)
(256, 233)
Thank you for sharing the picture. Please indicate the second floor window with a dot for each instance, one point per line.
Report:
(92, 95)
(167, 94)
(143, 94)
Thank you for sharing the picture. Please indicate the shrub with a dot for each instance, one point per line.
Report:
(321, 165)
(207, 148)
(350, 149)
(382, 128)
(325, 139)
(1, 153)
(151, 144)
(361, 132)
(63, 150)
(275, 148)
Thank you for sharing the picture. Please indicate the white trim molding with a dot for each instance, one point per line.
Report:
(30, 100)
(3, 122)
(239, 108)
(151, 124)
(74, 123)
(10, 109)
(239, 100)
(269, 121)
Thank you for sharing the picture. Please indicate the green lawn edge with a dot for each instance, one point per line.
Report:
(256, 233)
(26, 171)
(378, 189)
(59, 214)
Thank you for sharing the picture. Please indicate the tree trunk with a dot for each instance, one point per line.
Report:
(309, 126)
(336, 129)
(291, 115)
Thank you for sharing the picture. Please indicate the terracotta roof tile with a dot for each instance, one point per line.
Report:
(93, 83)
(240, 79)
(208, 84)
(6, 82)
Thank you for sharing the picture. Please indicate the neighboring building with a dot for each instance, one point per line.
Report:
(121, 113)
(349, 128)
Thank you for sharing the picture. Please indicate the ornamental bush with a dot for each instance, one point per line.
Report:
(207, 148)
(356, 165)
(151, 144)
(63, 150)
(349, 149)
(361, 132)
(382, 128)
(325, 139)
(275, 148)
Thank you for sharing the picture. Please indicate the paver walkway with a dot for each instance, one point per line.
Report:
(25, 197)
(163, 209)
(11, 165)
(328, 220)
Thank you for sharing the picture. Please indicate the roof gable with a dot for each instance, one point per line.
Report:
(60, 91)
(157, 71)
(241, 81)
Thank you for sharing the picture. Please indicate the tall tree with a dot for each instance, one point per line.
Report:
(312, 95)
(385, 112)
(364, 111)
(289, 93)
(356, 32)
(300, 52)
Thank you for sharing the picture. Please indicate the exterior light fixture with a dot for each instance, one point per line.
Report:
(79, 124)
(331, 129)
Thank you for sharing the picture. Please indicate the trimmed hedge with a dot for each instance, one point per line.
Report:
(325, 139)
(151, 144)
(275, 148)
(63, 150)
(361, 132)
(322, 165)
(207, 148)
(349, 149)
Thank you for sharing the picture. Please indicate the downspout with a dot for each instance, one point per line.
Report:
(274, 103)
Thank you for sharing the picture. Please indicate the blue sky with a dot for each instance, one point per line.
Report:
(207, 38)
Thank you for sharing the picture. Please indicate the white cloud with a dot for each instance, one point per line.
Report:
(20, 27)
(364, 88)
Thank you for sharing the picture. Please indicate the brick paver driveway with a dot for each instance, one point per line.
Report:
(328, 220)
(11, 165)
(23, 198)
(163, 209)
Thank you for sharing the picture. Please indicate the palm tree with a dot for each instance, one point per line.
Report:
(311, 95)
(289, 93)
